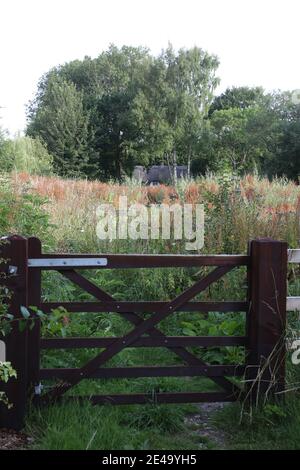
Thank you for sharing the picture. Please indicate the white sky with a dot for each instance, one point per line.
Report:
(257, 41)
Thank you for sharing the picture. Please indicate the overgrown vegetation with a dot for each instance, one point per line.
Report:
(25, 154)
(100, 117)
(62, 213)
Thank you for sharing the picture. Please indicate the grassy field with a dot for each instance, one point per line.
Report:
(63, 214)
(236, 210)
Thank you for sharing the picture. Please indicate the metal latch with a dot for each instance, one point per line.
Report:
(12, 270)
(38, 389)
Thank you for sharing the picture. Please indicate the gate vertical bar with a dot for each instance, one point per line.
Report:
(34, 299)
(266, 320)
(14, 252)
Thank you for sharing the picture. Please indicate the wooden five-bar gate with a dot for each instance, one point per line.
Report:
(264, 306)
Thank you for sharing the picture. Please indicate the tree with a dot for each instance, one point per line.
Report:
(238, 139)
(237, 97)
(60, 121)
(191, 81)
(26, 154)
(287, 161)
(249, 130)
(149, 112)
(126, 107)
(117, 135)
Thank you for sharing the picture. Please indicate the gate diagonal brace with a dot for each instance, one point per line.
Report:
(135, 319)
(144, 326)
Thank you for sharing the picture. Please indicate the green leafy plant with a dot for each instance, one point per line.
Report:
(53, 324)
(22, 211)
(6, 372)
(217, 325)
(274, 411)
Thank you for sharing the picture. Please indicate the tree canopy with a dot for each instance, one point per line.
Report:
(101, 117)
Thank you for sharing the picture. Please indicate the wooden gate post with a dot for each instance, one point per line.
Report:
(13, 252)
(266, 320)
(34, 299)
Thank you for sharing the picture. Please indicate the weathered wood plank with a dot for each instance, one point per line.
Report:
(15, 252)
(140, 398)
(143, 261)
(267, 317)
(124, 307)
(152, 342)
(148, 371)
(136, 320)
(34, 299)
(89, 368)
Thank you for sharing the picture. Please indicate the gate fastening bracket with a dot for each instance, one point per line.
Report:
(12, 270)
(38, 389)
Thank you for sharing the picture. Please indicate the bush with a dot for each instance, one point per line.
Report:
(22, 212)
(27, 155)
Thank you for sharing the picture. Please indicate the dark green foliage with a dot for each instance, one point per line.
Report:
(288, 161)
(24, 214)
(237, 97)
(249, 131)
(62, 123)
(25, 154)
(102, 116)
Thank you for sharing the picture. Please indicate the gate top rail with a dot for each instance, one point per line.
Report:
(65, 261)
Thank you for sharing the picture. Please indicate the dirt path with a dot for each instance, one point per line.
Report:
(12, 440)
(202, 422)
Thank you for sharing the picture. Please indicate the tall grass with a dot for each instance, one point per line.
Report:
(63, 214)
(236, 210)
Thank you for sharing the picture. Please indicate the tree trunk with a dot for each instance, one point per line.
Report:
(189, 164)
(119, 168)
(119, 157)
(174, 166)
(169, 167)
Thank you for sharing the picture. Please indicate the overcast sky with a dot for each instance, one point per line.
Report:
(257, 41)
